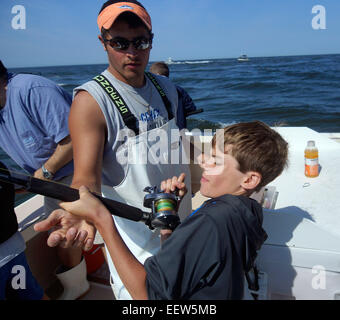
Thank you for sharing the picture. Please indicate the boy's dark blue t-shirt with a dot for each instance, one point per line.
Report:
(207, 256)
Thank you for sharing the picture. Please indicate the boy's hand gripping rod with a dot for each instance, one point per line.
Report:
(163, 219)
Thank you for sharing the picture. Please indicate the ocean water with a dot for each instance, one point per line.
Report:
(291, 91)
(294, 90)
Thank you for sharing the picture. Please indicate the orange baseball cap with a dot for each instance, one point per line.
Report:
(112, 9)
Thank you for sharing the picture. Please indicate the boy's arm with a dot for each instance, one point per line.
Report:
(130, 270)
(175, 271)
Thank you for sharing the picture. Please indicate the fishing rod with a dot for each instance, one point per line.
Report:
(163, 206)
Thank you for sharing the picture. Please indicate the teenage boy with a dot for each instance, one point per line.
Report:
(207, 256)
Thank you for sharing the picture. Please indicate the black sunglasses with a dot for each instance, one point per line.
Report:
(122, 44)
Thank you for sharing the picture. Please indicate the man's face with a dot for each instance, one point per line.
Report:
(128, 65)
(3, 87)
(221, 174)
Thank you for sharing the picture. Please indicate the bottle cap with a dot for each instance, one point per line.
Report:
(311, 143)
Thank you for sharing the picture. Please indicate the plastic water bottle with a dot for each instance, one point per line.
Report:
(311, 160)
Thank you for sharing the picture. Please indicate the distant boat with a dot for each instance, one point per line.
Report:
(169, 61)
(243, 58)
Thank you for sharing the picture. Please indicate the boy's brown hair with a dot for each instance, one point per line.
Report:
(256, 147)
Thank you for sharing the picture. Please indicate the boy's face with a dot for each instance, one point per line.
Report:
(221, 175)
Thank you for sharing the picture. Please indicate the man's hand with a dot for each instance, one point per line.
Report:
(70, 231)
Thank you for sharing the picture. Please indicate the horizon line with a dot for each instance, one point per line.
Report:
(180, 60)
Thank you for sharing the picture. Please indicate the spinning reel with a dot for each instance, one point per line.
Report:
(163, 209)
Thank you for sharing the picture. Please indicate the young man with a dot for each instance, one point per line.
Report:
(207, 256)
(185, 103)
(34, 133)
(123, 100)
(12, 252)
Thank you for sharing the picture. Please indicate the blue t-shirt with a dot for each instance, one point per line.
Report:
(185, 105)
(33, 121)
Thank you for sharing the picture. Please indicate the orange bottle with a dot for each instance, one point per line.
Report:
(311, 160)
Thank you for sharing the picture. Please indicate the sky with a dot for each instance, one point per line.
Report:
(65, 32)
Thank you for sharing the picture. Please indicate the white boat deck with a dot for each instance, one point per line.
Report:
(304, 229)
(315, 199)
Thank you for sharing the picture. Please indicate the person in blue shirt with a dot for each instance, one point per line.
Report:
(185, 103)
(34, 133)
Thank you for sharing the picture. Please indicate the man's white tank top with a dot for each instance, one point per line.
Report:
(132, 163)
